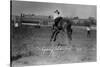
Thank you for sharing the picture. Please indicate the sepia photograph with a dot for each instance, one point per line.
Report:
(44, 33)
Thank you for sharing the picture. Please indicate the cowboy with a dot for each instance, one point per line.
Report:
(56, 25)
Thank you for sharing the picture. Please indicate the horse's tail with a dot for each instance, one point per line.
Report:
(67, 28)
(63, 25)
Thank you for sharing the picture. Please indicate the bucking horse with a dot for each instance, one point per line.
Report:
(61, 25)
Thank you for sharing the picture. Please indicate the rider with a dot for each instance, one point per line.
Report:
(56, 27)
(57, 18)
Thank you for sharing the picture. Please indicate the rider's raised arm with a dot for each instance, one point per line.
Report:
(56, 14)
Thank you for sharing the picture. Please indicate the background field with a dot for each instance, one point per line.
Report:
(27, 38)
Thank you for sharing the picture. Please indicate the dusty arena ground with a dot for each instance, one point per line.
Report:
(34, 46)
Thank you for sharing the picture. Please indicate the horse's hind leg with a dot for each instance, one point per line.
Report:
(70, 36)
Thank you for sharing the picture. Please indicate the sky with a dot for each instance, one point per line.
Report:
(40, 8)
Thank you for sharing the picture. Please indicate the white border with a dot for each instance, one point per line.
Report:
(87, 2)
(5, 32)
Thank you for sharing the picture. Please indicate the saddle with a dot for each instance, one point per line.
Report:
(58, 23)
(62, 24)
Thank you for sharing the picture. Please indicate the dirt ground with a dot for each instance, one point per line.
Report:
(36, 49)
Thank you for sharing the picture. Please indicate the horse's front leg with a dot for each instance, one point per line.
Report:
(55, 35)
(52, 36)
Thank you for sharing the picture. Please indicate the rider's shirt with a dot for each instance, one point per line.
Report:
(56, 15)
(57, 18)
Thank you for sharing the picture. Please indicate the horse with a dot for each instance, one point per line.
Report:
(64, 25)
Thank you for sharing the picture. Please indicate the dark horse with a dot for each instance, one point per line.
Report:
(62, 24)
